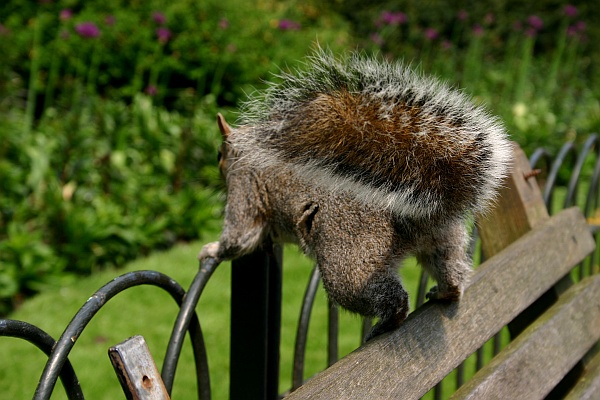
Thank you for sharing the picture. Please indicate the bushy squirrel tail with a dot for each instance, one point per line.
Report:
(390, 136)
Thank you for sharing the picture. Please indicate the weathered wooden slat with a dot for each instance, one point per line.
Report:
(588, 385)
(437, 337)
(137, 371)
(538, 359)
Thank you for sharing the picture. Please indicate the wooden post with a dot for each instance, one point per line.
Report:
(137, 371)
(518, 209)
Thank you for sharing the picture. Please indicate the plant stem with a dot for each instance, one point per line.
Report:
(523, 71)
(556, 60)
(52, 77)
(33, 74)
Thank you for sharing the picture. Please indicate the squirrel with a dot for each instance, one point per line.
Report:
(361, 162)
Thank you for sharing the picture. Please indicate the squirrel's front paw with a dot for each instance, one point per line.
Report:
(209, 250)
(452, 294)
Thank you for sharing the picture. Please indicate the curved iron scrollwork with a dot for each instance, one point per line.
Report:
(58, 364)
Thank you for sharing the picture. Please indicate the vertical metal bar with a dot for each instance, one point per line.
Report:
(333, 330)
(460, 375)
(367, 324)
(479, 358)
(255, 325)
(437, 391)
(497, 343)
(422, 291)
(302, 331)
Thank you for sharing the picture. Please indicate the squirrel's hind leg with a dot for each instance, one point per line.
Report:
(447, 262)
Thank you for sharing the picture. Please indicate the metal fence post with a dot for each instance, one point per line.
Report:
(255, 325)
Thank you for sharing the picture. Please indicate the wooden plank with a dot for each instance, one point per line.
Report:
(536, 361)
(588, 386)
(519, 208)
(435, 338)
(137, 371)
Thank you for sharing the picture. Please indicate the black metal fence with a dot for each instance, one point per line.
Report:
(568, 178)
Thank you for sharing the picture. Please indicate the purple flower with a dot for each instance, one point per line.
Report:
(462, 15)
(110, 20)
(518, 26)
(223, 23)
(535, 22)
(151, 90)
(159, 18)
(163, 34)
(577, 29)
(431, 34)
(377, 39)
(489, 19)
(87, 30)
(288, 25)
(530, 32)
(477, 30)
(570, 10)
(446, 44)
(65, 14)
(391, 18)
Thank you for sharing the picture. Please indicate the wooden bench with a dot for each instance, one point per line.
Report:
(525, 283)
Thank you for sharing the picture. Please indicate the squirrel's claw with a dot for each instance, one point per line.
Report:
(449, 295)
(209, 250)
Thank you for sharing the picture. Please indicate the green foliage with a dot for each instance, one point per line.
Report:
(100, 186)
(119, 49)
(108, 129)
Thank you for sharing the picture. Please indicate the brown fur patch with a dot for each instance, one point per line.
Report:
(431, 154)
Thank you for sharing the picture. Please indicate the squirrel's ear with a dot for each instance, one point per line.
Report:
(223, 126)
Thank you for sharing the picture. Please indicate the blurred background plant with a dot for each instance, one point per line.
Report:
(108, 140)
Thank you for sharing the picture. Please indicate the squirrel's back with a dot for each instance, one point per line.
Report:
(379, 130)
